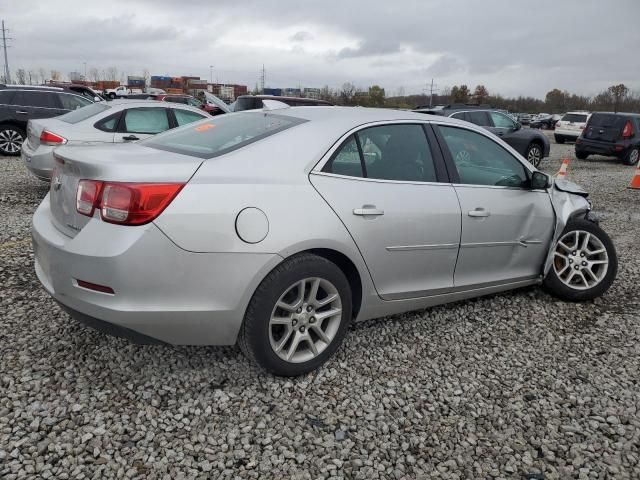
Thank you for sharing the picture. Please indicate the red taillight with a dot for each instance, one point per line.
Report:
(87, 196)
(627, 131)
(125, 203)
(49, 138)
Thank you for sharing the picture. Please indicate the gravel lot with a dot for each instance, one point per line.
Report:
(518, 385)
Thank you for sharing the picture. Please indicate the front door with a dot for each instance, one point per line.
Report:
(382, 183)
(506, 226)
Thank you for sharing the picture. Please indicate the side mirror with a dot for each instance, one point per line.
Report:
(97, 99)
(517, 127)
(540, 180)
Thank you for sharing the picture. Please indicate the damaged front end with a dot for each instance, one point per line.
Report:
(569, 200)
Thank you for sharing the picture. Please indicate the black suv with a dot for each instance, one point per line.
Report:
(531, 144)
(21, 103)
(611, 134)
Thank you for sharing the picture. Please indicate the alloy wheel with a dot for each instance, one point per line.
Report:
(305, 320)
(633, 156)
(534, 156)
(580, 260)
(10, 141)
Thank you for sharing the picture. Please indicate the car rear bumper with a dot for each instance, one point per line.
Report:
(558, 132)
(160, 291)
(39, 161)
(601, 148)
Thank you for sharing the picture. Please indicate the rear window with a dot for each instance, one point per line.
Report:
(223, 134)
(574, 117)
(83, 113)
(607, 120)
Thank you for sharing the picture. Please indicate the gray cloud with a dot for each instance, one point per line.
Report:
(511, 47)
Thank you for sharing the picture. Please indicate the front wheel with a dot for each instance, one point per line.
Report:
(112, 95)
(631, 158)
(534, 154)
(298, 316)
(585, 262)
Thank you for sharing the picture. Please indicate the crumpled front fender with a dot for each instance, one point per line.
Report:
(568, 201)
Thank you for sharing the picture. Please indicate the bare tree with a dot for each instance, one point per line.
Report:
(33, 77)
(619, 94)
(481, 93)
(42, 73)
(55, 75)
(21, 76)
(94, 74)
(111, 74)
(347, 93)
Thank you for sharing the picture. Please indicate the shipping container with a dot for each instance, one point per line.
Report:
(273, 91)
(174, 90)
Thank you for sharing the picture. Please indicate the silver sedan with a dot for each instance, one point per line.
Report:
(114, 122)
(278, 228)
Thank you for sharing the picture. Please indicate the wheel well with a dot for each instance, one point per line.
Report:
(537, 142)
(10, 123)
(350, 271)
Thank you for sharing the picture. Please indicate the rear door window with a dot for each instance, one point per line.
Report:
(346, 160)
(145, 120)
(479, 118)
(501, 121)
(6, 97)
(574, 117)
(37, 99)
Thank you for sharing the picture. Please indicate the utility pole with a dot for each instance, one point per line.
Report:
(211, 74)
(7, 74)
(263, 77)
(431, 89)
(85, 71)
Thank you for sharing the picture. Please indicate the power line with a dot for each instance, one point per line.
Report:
(7, 74)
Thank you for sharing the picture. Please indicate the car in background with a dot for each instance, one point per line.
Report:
(531, 144)
(185, 99)
(612, 135)
(21, 103)
(102, 123)
(83, 90)
(187, 237)
(254, 102)
(544, 122)
(524, 118)
(570, 126)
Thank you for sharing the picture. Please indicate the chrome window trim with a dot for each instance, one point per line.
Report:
(380, 180)
(435, 246)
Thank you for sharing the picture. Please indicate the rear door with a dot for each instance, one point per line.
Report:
(141, 122)
(506, 226)
(33, 104)
(389, 188)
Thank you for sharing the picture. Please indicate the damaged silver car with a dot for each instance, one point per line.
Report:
(277, 228)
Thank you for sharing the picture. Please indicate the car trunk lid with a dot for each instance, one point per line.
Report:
(605, 127)
(36, 127)
(114, 163)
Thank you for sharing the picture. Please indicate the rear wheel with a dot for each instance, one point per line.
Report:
(298, 316)
(581, 155)
(584, 262)
(112, 95)
(11, 139)
(631, 158)
(559, 139)
(534, 154)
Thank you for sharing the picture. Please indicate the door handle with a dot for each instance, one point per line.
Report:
(22, 112)
(368, 210)
(130, 137)
(479, 213)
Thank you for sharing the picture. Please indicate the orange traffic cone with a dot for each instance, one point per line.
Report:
(563, 168)
(635, 181)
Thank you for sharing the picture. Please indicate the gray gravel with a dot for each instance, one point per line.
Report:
(518, 385)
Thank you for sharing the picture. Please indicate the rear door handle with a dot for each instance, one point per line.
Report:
(368, 210)
(479, 213)
(22, 112)
(130, 137)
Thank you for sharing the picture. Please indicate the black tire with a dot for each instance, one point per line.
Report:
(558, 288)
(112, 95)
(559, 139)
(534, 154)
(254, 334)
(631, 157)
(11, 139)
(581, 155)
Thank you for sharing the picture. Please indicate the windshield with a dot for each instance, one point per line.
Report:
(221, 135)
(83, 113)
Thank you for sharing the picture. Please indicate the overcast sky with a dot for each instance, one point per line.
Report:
(512, 47)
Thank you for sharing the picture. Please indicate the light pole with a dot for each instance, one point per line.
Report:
(211, 74)
(85, 71)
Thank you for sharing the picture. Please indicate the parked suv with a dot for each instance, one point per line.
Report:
(21, 103)
(611, 134)
(531, 144)
(570, 126)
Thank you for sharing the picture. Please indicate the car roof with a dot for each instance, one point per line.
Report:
(618, 113)
(31, 87)
(282, 97)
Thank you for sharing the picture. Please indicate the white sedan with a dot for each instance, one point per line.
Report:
(101, 123)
